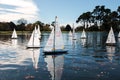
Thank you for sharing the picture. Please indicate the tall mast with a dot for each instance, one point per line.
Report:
(54, 32)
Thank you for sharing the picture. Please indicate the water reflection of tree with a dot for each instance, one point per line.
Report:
(118, 45)
(99, 39)
(5, 37)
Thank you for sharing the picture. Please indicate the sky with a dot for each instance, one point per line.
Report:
(45, 10)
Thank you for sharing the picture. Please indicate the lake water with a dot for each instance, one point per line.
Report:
(94, 61)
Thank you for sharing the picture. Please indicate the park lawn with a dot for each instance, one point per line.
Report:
(10, 32)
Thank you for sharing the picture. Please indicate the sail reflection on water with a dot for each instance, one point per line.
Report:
(55, 66)
(14, 42)
(83, 42)
(110, 50)
(35, 53)
(119, 40)
(70, 40)
(73, 43)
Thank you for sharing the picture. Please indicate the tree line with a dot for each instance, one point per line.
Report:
(23, 26)
(102, 19)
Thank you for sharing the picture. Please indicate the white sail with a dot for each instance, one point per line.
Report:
(74, 36)
(39, 33)
(14, 34)
(49, 45)
(55, 40)
(111, 37)
(70, 33)
(59, 44)
(34, 40)
(83, 35)
(119, 35)
(35, 57)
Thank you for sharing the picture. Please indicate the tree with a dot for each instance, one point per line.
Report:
(53, 23)
(85, 18)
(40, 24)
(114, 20)
(29, 27)
(47, 28)
(12, 26)
(98, 14)
(68, 27)
(22, 21)
(118, 10)
(4, 26)
(21, 24)
(95, 14)
(62, 28)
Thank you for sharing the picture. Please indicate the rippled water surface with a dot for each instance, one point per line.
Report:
(87, 59)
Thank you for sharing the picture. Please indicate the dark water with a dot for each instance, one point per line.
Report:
(94, 61)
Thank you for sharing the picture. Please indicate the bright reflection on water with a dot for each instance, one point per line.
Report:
(87, 59)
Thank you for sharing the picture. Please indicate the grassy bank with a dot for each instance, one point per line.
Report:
(10, 32)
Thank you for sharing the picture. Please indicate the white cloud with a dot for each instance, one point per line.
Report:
(22, 9)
